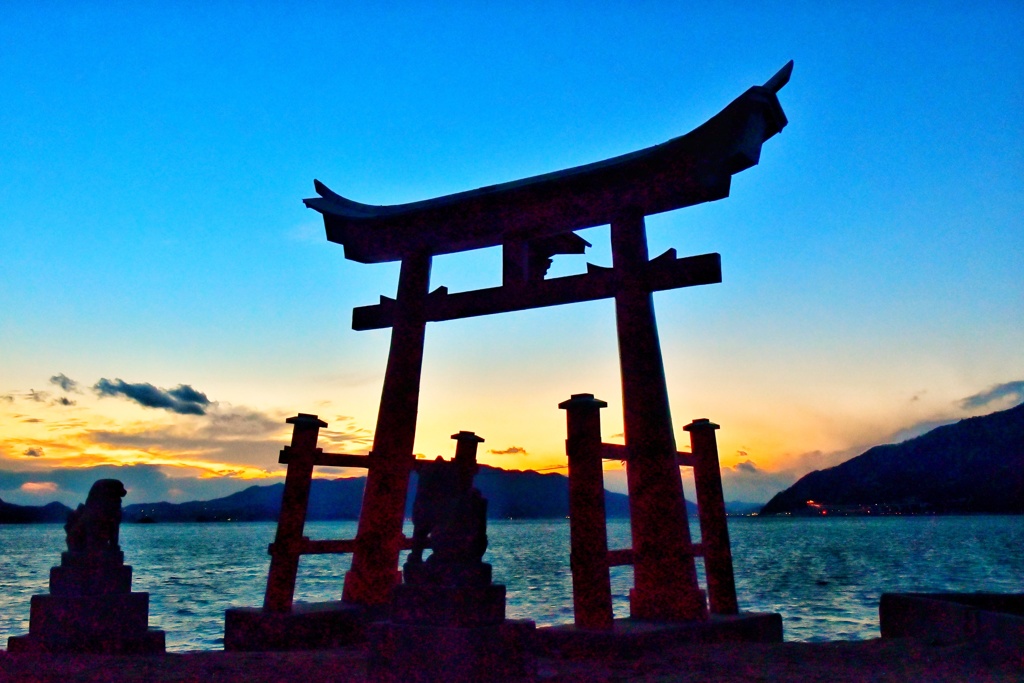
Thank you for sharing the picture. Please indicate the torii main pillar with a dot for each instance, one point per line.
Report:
(379, 536)
(665, 574)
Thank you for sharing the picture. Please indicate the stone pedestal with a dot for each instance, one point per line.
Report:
(448, 624)
(90, 609)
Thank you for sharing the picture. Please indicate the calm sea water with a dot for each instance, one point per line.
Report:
(823, 576)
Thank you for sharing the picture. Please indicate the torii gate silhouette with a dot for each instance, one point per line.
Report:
(534, 219)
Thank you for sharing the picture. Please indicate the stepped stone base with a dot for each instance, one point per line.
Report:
(102, 616)
(308, 626)
(630, 638)
(90, 609)
(448, 623)
(91, 574)
(410, 653)
(103, 624)
(150, 642)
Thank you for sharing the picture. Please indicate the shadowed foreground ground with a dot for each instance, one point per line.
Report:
(873, 660)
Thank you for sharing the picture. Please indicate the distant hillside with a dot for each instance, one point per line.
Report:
(31, 514)
(975, 465)
(741, 508)
(519, 495)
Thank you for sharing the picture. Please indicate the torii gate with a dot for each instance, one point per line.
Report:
(534, 219)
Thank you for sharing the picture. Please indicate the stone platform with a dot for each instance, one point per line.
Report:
(308, 626)
(409, 653)
(631, 638)
(994, 621)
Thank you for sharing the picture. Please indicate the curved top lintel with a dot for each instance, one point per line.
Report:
(690, 169)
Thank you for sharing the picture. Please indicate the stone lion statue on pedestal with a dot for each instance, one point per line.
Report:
(95, 526)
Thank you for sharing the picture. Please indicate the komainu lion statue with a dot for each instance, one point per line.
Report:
(95, 526)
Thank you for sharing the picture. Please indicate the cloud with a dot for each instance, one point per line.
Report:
(38, 487)
(64, 401)
(511, 450)
(34, 452)
(242, 422)
(167, 446)
(993, 398)
(996, 393)
(64, 382)
(183, 399)
(240, 440)
(746, 482)
(37, 396)
(746, 466)
(909, 432)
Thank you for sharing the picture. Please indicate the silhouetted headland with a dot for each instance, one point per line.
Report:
(973, 466)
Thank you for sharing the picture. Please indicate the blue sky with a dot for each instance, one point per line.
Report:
(153, 159)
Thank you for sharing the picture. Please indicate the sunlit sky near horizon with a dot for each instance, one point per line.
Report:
(153, 159)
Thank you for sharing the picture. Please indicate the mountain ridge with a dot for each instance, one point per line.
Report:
(975, 465)
(33, 514)
(511, 494)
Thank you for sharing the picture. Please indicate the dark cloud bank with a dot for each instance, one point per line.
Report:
(183, 399)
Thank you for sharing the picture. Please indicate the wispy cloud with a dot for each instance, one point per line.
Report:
(64, 382)
(747, 466)
(511, 450)
(996, 397)
(183, 399)
(914, 430)
(39, 487)
(344, 432)
(241, 422)
(1007, 391)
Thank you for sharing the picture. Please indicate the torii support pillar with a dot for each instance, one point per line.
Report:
(714, 529)
(588, 558)
(287, 547)
(379, 537)
(665, 574)
(465, 450)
